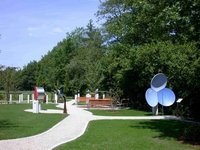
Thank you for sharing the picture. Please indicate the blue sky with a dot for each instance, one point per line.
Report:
(30, 28)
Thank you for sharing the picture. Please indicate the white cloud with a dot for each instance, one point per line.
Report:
(30, 34)
(36, 31)
(32, 31)
(57, 30)
(32, 28)
(44, 30)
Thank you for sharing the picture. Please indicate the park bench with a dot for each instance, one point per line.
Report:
(92, 102)
(100, 102)
(82, 99)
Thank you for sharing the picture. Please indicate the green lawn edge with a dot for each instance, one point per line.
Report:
(16, 123)
(119, 112)
(131, 134)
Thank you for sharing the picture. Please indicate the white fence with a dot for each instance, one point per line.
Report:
(26, 98)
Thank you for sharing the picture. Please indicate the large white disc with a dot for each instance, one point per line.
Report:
(159, 82)
(166, 97)
(151, 97)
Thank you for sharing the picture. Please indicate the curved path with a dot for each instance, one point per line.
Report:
(67, 130)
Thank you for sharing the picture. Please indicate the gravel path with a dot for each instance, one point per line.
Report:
(67, 130)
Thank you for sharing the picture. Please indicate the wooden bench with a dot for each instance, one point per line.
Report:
(100, 102)
(92, 102)
(82, 99)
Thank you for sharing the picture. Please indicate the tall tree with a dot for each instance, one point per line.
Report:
(8, 79)
(85, 69)
(138, 22)
(28, 76)
(51, 68)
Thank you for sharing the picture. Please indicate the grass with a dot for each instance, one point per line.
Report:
(131, 135)
(49, 106)
(81, 103)
(122, 112)
(15, 123)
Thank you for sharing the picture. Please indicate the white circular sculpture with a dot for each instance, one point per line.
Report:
(158, 93)
(151, 97)
(166, 97)
(158, 82)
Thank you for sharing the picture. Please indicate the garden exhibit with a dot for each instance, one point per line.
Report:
(135, 71)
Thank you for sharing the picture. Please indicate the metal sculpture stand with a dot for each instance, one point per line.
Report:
(61, 94)
(65, 107)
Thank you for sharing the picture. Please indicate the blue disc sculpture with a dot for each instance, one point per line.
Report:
(151, 97)
(166, 97)
(158, 82)
(158, 93)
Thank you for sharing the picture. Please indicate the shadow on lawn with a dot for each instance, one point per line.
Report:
(6, 124)
(166, 128)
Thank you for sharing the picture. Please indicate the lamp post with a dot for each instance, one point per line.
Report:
(61, 94)
(65, 107)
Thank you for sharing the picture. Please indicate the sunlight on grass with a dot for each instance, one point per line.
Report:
(122, 112)
(130, 135)
(15, 123)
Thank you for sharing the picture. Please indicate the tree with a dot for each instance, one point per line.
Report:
(85, 69)
(51, 68)
(139, 35)
(28, 76)
(8, 79)
(178, 62)
(139, 22)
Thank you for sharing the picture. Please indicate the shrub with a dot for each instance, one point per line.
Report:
(2, 96)
(192, 134)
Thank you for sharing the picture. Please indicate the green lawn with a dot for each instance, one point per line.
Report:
(15, 123)
(81, 103)
(122, 112)
(131, 135)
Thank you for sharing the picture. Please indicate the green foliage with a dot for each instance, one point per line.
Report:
(2, 95)
(28, 76)
(74, 63)
(176, 61)
(123, 112)
(85, 69)
(139, 22)
(8, 79)
(191, 134)
(132, 69)
(134, 29)
(51, 68)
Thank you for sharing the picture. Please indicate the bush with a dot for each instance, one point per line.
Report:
(2, 96)
(192, 134)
